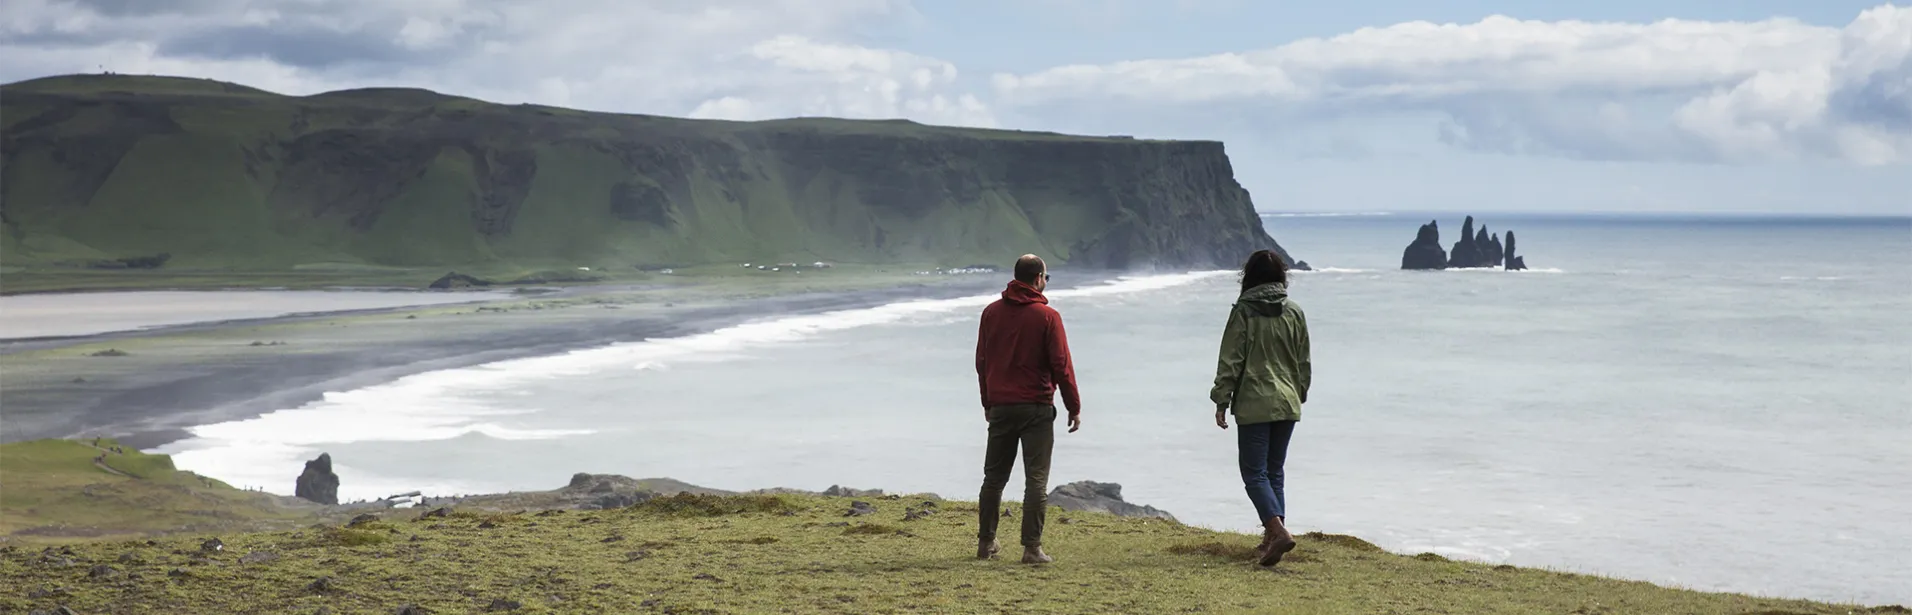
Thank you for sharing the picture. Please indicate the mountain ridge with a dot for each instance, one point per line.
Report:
(219, 175)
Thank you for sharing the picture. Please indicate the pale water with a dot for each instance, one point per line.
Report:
(1710, 403)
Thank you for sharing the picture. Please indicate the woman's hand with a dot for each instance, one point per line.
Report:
(1221, 418)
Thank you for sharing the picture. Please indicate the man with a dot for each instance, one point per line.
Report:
(1022, 357)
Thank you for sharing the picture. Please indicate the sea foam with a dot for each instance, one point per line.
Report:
(481, 400)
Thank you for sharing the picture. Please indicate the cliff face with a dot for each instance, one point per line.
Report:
(221, 175)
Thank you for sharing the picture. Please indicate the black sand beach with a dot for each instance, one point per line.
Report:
(172, 378)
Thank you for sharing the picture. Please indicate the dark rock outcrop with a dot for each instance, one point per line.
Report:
(317, 483)
(1468, 252)
(839, 491)
(136, 262)
(1101, 497)
(1513, 261)
(458, 280)
(1477, 248)
(1426, 251)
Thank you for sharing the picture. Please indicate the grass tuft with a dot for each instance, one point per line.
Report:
(356, 538)
(1343, 541)
(692, 505)
(870, 529)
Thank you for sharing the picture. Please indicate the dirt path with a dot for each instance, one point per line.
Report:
(98, 463)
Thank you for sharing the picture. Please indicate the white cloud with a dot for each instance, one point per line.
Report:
(811, 78)
(1727, 90)
(1773, 90)
(747, 59)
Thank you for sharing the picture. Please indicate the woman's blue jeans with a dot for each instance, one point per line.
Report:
(1264, 448)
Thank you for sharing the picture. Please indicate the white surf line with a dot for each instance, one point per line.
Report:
(445, 404)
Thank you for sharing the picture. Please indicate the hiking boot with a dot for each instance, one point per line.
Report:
(987, 550)
(1280, 542)
(1034, 555)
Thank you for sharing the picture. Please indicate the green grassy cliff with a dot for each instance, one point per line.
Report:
(213, 549)
(221, 176)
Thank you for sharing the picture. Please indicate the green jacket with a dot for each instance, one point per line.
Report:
(1264, 370)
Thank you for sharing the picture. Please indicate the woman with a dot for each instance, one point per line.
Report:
(1263, 378)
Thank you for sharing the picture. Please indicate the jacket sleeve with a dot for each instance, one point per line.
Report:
(982, 376)
(1062, 366)
(1234, 353)
(1304, 366)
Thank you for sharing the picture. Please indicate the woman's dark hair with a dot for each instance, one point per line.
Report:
(1263, 267)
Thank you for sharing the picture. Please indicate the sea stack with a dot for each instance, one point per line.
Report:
(1477, 248)
(317, 483)
(1513, 262)
(1468, 252)
(1425, 252)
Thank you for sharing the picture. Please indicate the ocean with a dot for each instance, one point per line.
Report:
(1719, 403)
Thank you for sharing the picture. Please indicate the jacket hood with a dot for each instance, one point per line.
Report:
(1266, 293)
(1019, 292)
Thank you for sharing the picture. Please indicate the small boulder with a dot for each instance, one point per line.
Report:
(212, 546)
(361, 519)
(103, 571)
(860, 508)
(500, 605)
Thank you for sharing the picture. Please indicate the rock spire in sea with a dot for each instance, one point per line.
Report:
(1477, 248)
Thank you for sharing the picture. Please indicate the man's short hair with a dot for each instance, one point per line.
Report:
(1028, 268)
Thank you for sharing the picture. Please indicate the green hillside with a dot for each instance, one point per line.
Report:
(225, 177)
(137, 537)
(66, 490)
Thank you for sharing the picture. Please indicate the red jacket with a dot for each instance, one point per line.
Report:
(1022, 354)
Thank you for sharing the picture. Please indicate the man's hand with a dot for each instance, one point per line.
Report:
(1221, 418)
(1075, 422)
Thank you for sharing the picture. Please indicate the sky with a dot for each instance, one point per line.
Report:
(1764, 106)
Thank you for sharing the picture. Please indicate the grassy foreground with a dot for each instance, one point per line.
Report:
(725, 554)
(716, 554)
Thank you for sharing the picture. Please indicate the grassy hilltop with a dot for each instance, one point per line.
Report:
(732, 554)
(224, 177)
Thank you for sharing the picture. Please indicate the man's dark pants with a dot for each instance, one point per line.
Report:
(1033, 426)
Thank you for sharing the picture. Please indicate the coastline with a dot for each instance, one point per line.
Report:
(177, 377)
